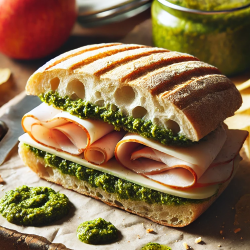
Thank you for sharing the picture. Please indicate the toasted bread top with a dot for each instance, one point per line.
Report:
(170, 87)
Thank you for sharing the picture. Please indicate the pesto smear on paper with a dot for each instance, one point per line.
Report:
(155, 246)
(97, 231)
(84, 110)
(33, 206)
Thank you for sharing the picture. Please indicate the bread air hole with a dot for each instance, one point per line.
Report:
(147, 209)
(42, 169)
(100, 103)
(74, 97)
(77, 88)
(54, 83)
(174, 126)
(98, 195)
(119, 204)
(124, 95)
(156, 121)
(174, 220)
(98, 94)
(139, 112)
(113, 107)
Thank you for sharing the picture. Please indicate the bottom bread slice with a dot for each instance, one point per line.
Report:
(175, 215)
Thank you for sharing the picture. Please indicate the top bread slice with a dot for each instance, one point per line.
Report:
(172, 89)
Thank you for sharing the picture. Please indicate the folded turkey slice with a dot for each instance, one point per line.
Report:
(198, 165)
(208, 162)
(103, 150)
(64, 132)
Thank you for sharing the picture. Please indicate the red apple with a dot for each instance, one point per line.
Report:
(32, 29)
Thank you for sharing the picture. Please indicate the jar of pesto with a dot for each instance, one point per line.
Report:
(215, 31)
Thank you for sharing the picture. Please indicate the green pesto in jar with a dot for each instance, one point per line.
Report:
(218, 39)
(33, 206)
(155, 246)
(84, 110)
(109, 183)
(97, 231)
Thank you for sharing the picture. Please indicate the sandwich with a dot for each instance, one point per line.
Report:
(137, 127)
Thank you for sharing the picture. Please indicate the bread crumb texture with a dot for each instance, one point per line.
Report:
(186, 246)
(150, 230)
(237, 230)
(198, 240)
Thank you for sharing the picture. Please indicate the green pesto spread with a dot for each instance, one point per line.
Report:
(97, 231)
(33, 206)
(109, 183)
(155, 246)
(83, 110)
(218, 39)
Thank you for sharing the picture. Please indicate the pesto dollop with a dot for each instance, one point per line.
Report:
(97, 231)
(155, 246)
(84, 110)
(219, 39)
(109, 183)
(33, 206)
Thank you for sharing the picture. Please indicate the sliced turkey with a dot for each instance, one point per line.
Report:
(208, 162)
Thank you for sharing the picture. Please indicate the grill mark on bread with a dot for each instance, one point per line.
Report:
(139, 72)
(109, 63)
(184, 76)
(196, 89)
(167, 79)
(123, 72)
(78, 52)
(125, 60)
(106, 53)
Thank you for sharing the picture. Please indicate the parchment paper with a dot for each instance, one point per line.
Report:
(216, 226)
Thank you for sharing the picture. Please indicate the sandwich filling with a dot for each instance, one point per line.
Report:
(85, 110)
(140, 118)
(123, 188)
(128, 183)
(207, 162)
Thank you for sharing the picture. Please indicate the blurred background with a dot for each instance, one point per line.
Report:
(33, 32)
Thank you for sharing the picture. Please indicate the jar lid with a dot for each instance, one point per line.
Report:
(99, 12)
(206, 6)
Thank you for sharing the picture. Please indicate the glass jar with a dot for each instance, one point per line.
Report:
(218, 34)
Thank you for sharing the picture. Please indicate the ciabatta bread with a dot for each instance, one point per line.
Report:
(173, 90)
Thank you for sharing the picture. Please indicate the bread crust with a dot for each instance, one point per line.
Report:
(167, 215)
(167, 85)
